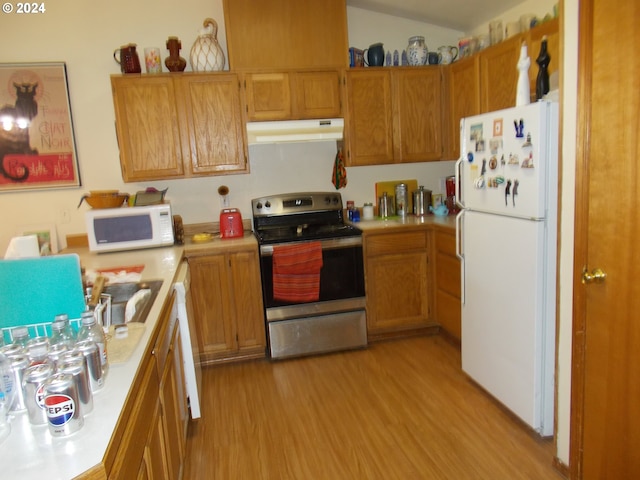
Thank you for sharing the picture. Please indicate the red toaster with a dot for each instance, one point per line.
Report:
(231, 223)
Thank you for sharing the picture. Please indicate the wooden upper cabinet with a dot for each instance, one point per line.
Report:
(499, 74)
(179, 125)
(146, 124)
(370, 121)
(213, 114)
(293, 94)
(317, 94)
(464, 99)
(395, 115)
(418, 109)
(286, 33)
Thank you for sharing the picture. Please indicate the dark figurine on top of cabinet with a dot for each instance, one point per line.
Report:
(542, 81)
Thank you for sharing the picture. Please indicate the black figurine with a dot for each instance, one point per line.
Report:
(542, 81)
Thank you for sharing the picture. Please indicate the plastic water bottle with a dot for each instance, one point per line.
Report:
(20, 336)
(62, 332)
(91, 330)
(7, 392)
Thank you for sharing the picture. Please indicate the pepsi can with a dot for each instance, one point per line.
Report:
(62, 404)
(78, 368)
(94, 363)
(34, 378)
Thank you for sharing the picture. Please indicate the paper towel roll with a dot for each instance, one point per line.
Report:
(25, 246)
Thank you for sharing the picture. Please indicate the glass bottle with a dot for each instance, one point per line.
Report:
(542, 80)
(91, 330)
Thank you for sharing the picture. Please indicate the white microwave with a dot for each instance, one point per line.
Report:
(129, 228)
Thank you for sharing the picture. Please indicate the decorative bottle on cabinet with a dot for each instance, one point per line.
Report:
(522, 90)
(542, 81)
(174, 62)
(417, 51)
(206, 54)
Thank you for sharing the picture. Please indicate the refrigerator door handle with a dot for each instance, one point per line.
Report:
(459, 199)
(459, 252)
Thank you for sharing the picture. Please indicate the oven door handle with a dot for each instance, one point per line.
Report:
(327, 244)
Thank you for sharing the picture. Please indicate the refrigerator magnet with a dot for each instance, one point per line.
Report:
(497, 127)
(513, 159)
(528, 162)
(519, 125)
(493, 162)
(470, 157)
(495, 144)
(527, 142)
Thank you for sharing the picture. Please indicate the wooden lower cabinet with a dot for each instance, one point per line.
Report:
(397, 282)
(446, 270)
(227, 303)
(150, 438)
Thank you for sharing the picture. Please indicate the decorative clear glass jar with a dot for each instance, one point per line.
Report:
(417, 51)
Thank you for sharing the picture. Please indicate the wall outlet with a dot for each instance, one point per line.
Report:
(64, 216)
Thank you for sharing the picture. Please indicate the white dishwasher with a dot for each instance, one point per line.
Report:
(188, 333)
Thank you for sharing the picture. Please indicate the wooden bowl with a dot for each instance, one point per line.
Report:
(105, 198)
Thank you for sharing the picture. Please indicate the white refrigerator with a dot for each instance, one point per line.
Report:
(507, 189)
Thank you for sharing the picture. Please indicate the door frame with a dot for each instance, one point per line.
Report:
(585, 66)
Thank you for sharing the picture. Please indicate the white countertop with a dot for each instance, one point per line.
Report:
(378, 223)
(32, 453)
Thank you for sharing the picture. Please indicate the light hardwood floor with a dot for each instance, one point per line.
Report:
(401, 409)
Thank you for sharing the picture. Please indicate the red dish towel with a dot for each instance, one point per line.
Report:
(296, 272)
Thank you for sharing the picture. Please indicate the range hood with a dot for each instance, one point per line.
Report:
(295, 131)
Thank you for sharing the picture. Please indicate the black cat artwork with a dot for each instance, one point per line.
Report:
(14, 130)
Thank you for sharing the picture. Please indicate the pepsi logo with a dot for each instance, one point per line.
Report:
(60, 409)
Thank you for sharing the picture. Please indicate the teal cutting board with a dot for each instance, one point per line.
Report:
(34, 290)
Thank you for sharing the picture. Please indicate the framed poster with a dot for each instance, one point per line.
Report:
(37, 145)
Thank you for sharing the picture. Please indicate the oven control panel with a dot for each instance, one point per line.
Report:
(292, 203)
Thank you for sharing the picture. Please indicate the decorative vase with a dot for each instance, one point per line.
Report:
(417, 51)
(206, 54)
(174, 62)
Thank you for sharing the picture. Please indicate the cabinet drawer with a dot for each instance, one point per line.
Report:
(395, 243)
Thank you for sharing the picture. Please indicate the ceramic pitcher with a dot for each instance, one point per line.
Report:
(447, 54)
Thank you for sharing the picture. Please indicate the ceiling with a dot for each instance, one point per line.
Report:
(461, 15)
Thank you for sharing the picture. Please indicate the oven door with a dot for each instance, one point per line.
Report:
(341, 281)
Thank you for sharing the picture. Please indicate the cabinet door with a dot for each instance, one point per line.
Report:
(171, 415)
(499, 74)
(464, 99)
(417, 110)
(370, 120)
(247, 296)
(317, 94)
(212, 305)
(147, 127)
(268, 96)
(396, 276)
(154, 466)
(213, 126)
(447, 283)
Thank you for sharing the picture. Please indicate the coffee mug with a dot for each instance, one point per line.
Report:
(433, 58)
(152, 60)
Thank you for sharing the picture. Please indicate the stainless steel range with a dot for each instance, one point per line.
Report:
(312, 274)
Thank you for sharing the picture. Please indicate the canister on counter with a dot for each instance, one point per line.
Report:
(402, 199)
(34, 378)
(94, 365)
(78, 368)
(367, 211)
(62, 404)
(421, 201)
